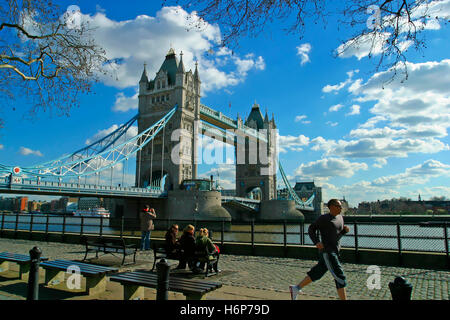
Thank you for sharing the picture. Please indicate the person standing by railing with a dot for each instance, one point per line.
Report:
(147, 216)
(332, 228)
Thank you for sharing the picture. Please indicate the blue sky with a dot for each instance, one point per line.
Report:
(337, 124)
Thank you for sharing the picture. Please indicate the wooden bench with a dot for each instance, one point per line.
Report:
(134, 282)
(95, 275)
(22, 260)
(160, 252)
(109, 246)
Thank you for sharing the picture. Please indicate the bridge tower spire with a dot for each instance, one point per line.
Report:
(172, 85)
(257, 171)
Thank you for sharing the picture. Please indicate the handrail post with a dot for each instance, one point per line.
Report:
(101, 226)
(285, 237)
(46, 227)
(446, 244)
(399, 241)
(253, 235)
(355, 227)
(121, 226)
(31, 226)
(82, 226)
(303, 233)
(3, 224)
(222, 233)
(64, 228)
(17, 225)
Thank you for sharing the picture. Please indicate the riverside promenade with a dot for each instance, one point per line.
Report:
(243, 277)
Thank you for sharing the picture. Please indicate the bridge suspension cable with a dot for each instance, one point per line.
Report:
(101, 155)
(308, 204)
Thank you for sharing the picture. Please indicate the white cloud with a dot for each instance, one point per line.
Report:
(419, 174)
(354, 110)
(388, 187)
(26, 152)
(124, 103)
(332, 124)
(421, 104)
(302, 119)
(1, 146)
(436, 12)
(132, 132)
(363, 46)
(328, 168)
(291, 143)
(224, 173)
(337, 87)
(303, 52)
(377, 147)
(409, 116)
(146, 39)
(380, 163)
(335, 108)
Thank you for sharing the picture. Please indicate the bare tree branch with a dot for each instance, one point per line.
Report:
(399, 27)
(44, 58)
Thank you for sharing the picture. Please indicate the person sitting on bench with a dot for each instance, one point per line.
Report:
(204, 244)
(172, 245)
(187, 245)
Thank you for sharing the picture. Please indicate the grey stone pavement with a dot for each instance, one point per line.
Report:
(250, 277)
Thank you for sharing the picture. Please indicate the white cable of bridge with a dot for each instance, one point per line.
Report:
(95, 163)
(294, 196)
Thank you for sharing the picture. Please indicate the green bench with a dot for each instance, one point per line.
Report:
(107, 245)
(22, 260)
(95, 275)
(134, 282)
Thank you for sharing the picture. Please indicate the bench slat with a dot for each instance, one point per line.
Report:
(17, 257)
(172, 287)
(175, 284)
(65, 263)
(145, 276)
(84, 268)
(183, 282)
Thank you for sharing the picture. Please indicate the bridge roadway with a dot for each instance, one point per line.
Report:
(31, 186)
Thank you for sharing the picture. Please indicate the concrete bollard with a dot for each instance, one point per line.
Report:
(33, 279)
(162, 289)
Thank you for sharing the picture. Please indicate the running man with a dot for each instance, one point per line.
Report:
(332, 228)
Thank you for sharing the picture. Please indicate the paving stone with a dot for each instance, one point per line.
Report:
(274, 274)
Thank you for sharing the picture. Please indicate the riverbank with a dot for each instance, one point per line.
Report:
(243, 277)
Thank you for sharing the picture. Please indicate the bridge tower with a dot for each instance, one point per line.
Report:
(171, 85)
(253, 173)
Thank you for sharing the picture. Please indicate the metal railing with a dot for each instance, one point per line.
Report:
(398, 236)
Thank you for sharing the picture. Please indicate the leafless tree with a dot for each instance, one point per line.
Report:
(385, 28)
(47, 56)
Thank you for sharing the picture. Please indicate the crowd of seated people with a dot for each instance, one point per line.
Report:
(191, 251)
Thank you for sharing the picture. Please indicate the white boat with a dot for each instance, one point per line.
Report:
(94, 212)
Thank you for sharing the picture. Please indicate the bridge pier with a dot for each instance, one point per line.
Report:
(280, 210)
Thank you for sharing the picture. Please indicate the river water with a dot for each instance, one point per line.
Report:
(376, 236)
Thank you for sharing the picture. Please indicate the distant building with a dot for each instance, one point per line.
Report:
(404, 205)
(7, 204)
(46, 207)
(21, 204)
(34, 206)
(305, 190)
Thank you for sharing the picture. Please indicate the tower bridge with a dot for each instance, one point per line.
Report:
(170, 120)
